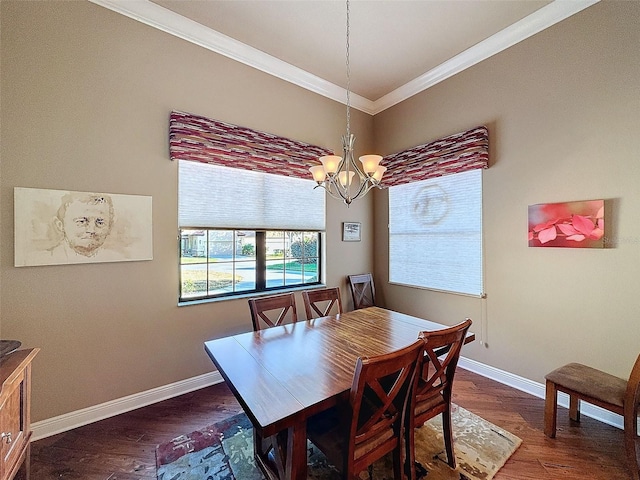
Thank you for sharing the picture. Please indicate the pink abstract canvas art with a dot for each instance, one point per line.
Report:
(569, 224)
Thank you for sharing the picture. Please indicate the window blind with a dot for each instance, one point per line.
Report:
(435, 233)
(223, 197)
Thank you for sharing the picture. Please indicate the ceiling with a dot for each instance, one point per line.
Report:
(397, 48)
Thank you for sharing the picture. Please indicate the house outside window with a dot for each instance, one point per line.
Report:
(218, 263)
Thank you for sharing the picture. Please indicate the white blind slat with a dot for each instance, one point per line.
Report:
(435, 233)
(222, 197)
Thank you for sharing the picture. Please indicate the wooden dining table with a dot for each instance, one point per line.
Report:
(283, 375)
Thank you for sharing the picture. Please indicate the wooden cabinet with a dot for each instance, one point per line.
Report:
(15, 407)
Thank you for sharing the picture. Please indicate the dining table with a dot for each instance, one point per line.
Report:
(283, 375)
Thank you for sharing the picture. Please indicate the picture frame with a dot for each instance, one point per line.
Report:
(60, 227)
(351, 231)
(577, 224)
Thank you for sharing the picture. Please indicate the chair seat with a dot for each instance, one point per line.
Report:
(584, 383)
(590, 382)
(329, 431)
(430, 405)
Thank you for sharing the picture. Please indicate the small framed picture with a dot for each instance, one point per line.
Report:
(351, 231)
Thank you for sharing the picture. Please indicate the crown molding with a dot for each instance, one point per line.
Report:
(170, 22)
(536, 22)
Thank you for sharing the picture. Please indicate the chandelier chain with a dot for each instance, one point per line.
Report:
(341, 177)
(348, 77)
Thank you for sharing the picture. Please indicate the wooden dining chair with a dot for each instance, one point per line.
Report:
(586, 384)
(323, 302)
(356, 434)
(362, 290)
(272, 311)
(434, 383)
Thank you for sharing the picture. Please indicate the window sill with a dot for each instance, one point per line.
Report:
(186, 303)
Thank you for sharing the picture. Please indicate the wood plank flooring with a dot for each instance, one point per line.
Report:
(123, 447)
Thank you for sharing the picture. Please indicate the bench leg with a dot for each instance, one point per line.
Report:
(550, 409)
(574, 408)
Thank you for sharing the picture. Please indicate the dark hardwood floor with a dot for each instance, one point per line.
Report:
(123, 447)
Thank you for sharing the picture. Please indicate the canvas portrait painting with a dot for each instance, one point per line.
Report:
(54, 227)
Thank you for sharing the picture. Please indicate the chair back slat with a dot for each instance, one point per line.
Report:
(362, 290)
(379, 392)
(433, 385)
(272, 311)
(442, 351)
(356, 433)
(321, 303)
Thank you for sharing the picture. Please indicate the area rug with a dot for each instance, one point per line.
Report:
(224, 451)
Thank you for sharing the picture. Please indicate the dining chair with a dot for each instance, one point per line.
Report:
(371, 424)
(586, 384)
(362, 290)
(434, 383)
(272, 311)
(320, 303)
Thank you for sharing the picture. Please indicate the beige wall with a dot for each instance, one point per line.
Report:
(85, 99)
(85, 96)
(563, 111)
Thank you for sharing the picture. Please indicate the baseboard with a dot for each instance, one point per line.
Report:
(63, 423)
(68, 421)
(538, 390)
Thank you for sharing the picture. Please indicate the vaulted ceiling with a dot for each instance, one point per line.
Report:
(397, 47)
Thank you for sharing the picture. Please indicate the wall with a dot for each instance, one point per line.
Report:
(563, 112)
(86, 95)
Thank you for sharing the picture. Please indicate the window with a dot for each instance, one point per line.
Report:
(435, 233)
(243, 231)
(225, 262)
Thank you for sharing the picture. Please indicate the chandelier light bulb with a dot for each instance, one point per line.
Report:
(377, 175)
(330, 163)
(370, 163)
(342, 176)
(318, 173)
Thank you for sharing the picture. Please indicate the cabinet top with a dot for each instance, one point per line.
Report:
(12, 364)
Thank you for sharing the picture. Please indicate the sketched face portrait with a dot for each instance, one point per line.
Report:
(85, 221)
(62, 227)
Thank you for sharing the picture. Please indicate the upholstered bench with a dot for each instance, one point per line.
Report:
(583, 383)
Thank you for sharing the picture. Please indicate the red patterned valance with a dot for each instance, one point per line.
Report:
(453, 154)
(201, 139)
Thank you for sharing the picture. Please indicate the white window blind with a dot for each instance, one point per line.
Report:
(225, 197)
(435, 233)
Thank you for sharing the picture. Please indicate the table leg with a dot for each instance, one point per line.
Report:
(282, 456)
(297, 452)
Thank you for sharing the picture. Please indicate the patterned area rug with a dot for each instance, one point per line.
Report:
(224, 451)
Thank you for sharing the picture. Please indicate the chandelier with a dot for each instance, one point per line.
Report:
(336, 174)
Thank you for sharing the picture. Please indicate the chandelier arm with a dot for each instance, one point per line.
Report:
(339, 195)
(363, 176)
(364, 189)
